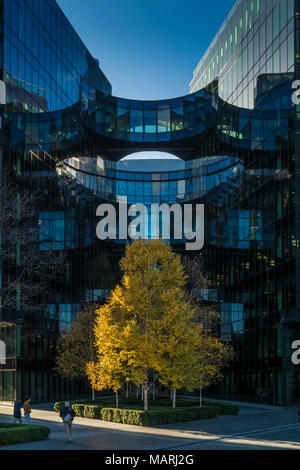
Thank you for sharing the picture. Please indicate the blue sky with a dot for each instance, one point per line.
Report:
(147, 49)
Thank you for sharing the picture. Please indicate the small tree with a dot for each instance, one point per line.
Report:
(211, 356)
(197, 281)
(76, 346)
(106, 375)
(178, 351)
(109, 369)
(160, 314)
(144, 314)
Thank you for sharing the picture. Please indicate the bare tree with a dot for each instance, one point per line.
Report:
(197, 278)
(27, 272)
(199, 289)
(76, 346)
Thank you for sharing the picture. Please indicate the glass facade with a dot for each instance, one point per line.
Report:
(150, 121)
(46, 67)
(257, 38)
(237, 132)
(253, 61)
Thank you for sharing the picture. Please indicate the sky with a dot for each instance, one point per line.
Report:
(147, 49)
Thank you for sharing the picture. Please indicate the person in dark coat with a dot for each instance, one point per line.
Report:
(67, 414)
(27, 410)
(17, 411)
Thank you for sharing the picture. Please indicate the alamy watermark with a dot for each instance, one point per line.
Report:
(296, 354)
(296, 94)
(137, 221)
(2, 353)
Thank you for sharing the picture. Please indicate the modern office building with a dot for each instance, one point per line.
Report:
(237, 135)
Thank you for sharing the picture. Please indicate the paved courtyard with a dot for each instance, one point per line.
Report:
(257, 427)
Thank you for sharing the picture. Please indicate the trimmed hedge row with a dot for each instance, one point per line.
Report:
(224, 408)
(100, 401)
(59, 405)
(161, 411)
(7, 425)
(108, 400)
(16, 434)
(155, 417)
(87, 411)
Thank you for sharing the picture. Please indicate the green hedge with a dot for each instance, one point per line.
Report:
(84, 410)
(180, 402)
(87, 411)
(98, 402)
(224, 408)
(79, 409)
(59, 405)
(7, 425)
(16, 433)
(93, 411)
(155, 417)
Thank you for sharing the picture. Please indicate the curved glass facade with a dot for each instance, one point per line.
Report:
(126, 123)
(238, 133)
(197, 180)
(151, 121)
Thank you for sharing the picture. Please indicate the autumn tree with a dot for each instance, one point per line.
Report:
(76, 346)
(152, 326)
(109, 369)
(147, 315)
(106, 375)
(211, 357)
(211, 354)
(177, 349)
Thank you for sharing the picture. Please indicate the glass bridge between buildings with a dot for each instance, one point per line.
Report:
(123, 126)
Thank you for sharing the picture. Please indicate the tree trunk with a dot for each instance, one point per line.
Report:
(200, 396)
(137, 391)
(171, 393)
(174, 398)
(153, 391)
(146, 401)
(143, 392)
(93, 394)
(146, 389)
(127, 390)
(117, 399)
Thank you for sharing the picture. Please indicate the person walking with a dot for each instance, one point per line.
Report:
(68, 414)
(17, 411)
(27, 410)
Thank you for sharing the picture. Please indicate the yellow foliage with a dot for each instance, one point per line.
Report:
(146, 318)
(211, 357)
(150, 325)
